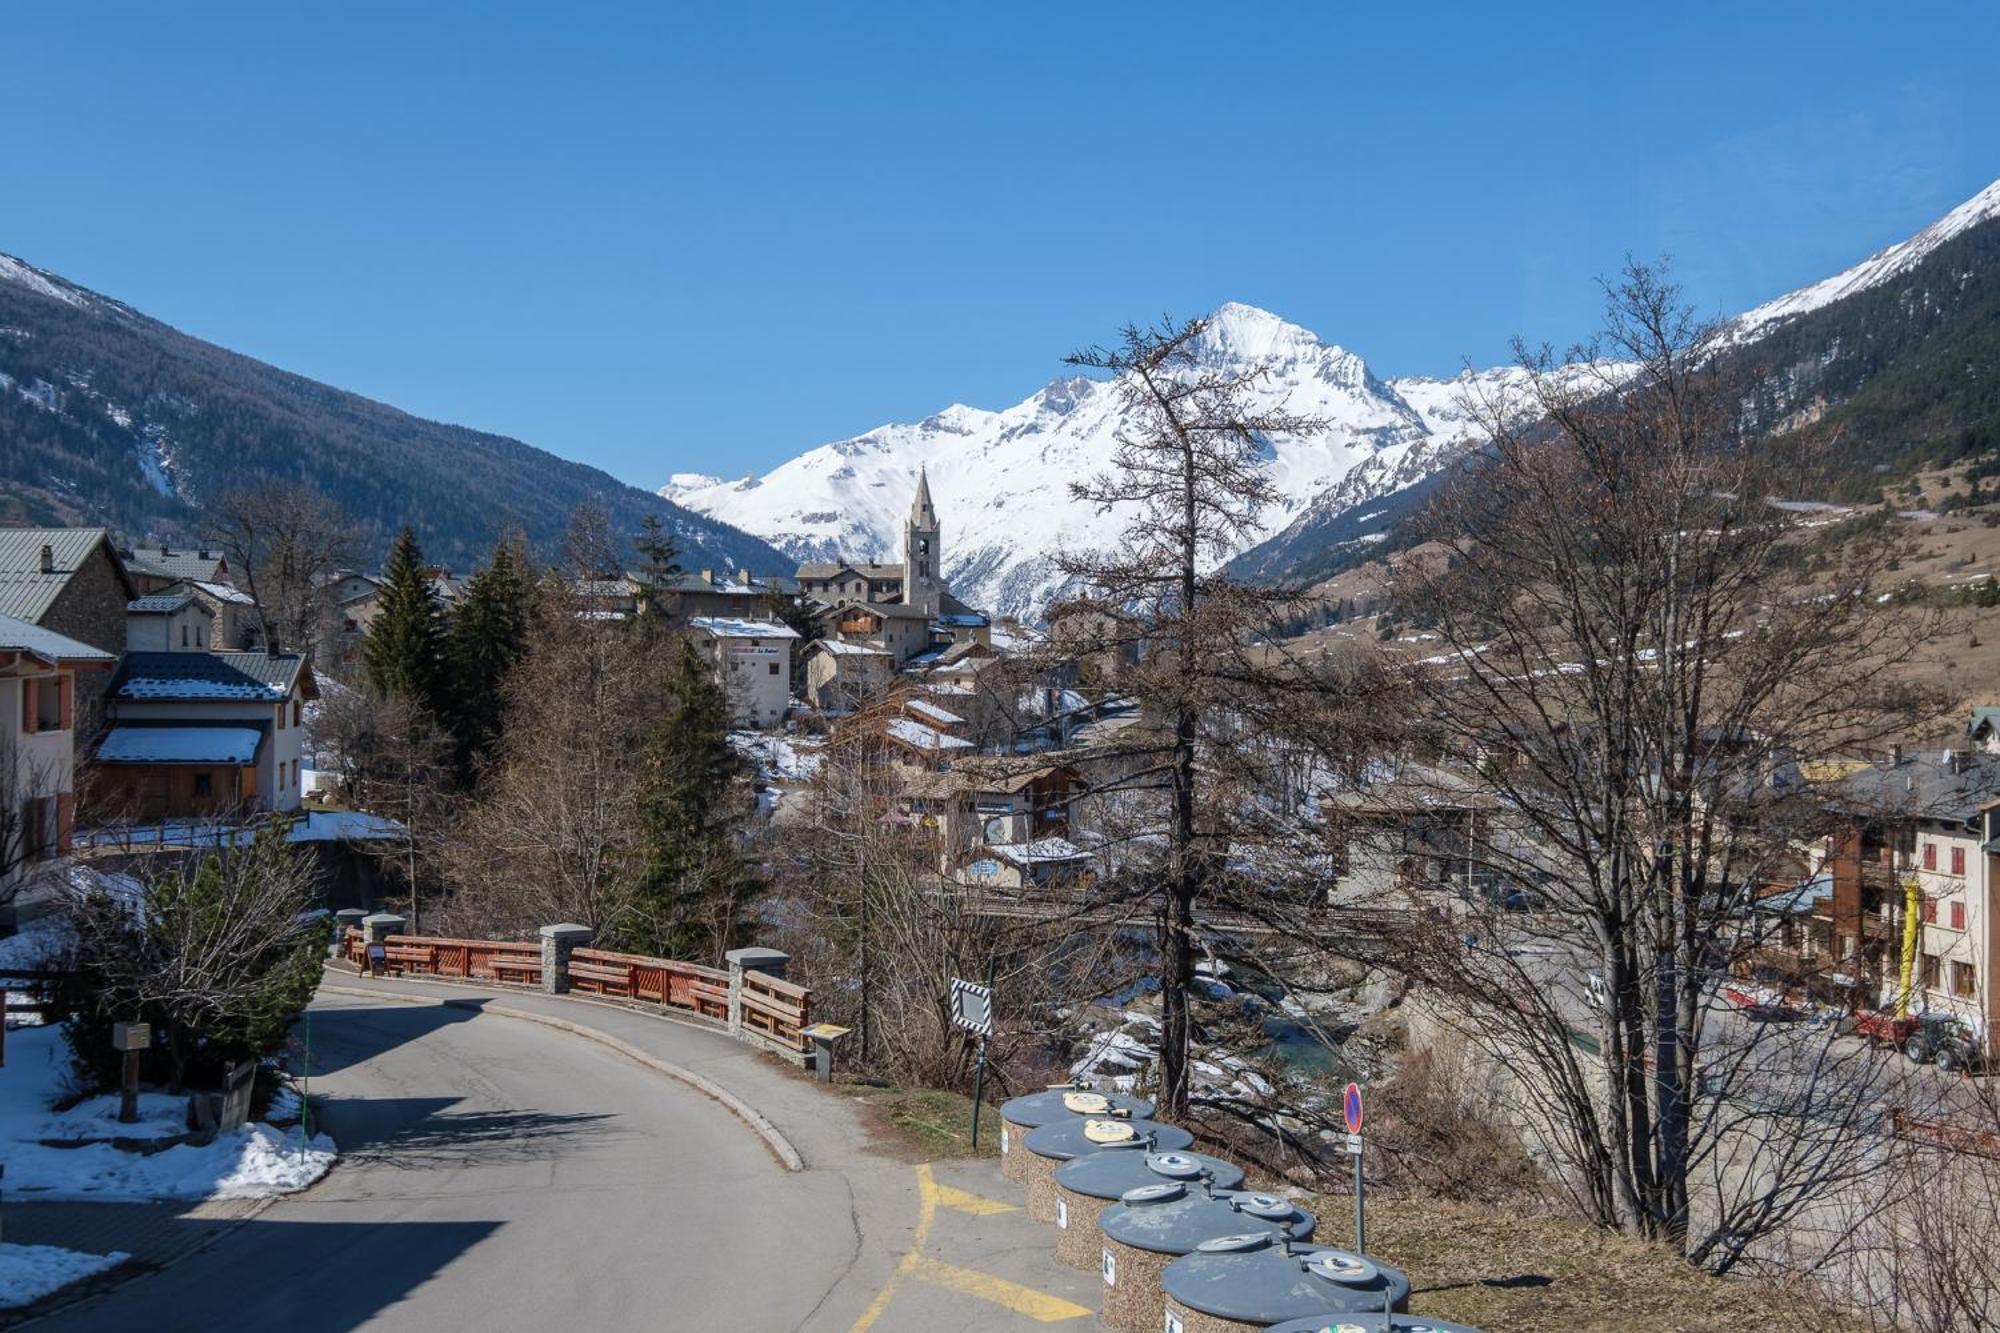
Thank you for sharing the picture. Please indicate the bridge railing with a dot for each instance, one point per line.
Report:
(749, 999)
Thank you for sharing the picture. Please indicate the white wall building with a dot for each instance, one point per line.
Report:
(753, 661)
(38, 741)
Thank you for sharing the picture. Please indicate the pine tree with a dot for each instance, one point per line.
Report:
(659, 561)
(489, 632)
(403, 655)
(693, 887)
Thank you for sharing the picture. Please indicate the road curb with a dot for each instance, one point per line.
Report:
(774, 1138)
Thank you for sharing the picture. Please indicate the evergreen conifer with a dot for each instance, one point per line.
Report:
(403, 654)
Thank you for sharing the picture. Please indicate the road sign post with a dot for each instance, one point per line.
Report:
(972, 1009)
(1350, 1106)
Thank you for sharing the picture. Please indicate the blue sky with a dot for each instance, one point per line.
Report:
(661, 238)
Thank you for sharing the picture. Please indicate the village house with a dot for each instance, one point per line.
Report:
(903, 632)
(153, 568)
(38, 670)
(752, 660)
(70, 581)
(1001, 823)
(198, 734)
(166, 622)
(1926, 825)
(840, 677)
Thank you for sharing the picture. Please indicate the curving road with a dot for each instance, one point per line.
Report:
(499, 1175)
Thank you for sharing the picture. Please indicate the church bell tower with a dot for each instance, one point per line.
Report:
(921, 586)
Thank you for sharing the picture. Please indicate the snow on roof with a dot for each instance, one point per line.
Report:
(21, 636)
(915, 733)
(180, 745)
(841, 648)
(930, 710)
(947, 687)
(208, 676)
(1041, 851)
(735, 627)
(222, 592)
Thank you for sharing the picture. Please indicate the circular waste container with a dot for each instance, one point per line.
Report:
(1370, 1323)
(1018, 1115)
(1087, 1185)
(1049, 1146)
(1246, 1283)
(1152, 1226)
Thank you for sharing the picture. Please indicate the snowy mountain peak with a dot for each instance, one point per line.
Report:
(1878, 268)
(41, 282)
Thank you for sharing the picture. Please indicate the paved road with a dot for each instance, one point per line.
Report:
(501, 1175)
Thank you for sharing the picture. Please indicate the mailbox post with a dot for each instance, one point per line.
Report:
(133, 1039)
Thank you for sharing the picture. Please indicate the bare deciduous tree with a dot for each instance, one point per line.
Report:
(286, 543)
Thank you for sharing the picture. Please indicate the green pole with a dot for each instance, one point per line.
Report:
(979, 1072)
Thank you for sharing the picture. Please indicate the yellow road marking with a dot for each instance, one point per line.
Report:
(976, 1204)
(1037, 1305)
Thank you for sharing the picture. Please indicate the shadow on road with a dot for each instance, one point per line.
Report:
(423, 1134)
(312, 1277)
(342, 1035)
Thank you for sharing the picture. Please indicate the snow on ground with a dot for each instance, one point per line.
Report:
(778, 758)
(254, 1162)
(30, 1272)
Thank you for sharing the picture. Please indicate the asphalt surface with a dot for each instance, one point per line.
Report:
(500, 1175)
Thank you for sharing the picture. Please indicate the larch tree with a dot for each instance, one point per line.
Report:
(286, 544)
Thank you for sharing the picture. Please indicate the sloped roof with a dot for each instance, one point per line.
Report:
(915, 734)
(180, 745)
(1040, 851)
(734, 627)
(210, 677)
(840, 648)
(1923, 787)
(932, 713)
(24, 636)
(827, 571)
(27, 592)
(223, 592)
(178, 562)
(158, 604)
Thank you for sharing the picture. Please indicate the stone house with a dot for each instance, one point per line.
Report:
(154, 568)
(38, 673)
(901, 631)
(1002, 823)
(70, 581)
(844, 676)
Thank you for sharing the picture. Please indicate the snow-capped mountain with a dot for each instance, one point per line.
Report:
(1001, 479)
(1873, 271)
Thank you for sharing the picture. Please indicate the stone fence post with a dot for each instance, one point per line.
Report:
(346, 919)
(557, 941)
(771, 962)
(379, 926)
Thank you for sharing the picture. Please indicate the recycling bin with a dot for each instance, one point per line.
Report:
(1049, 1146)
(1152, 1226)
(1087, 1185)
(1246, 1283)
(1018, 1115)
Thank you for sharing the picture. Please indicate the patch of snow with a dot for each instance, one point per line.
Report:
(254, 1162)
(30, 1272)
(41, 283)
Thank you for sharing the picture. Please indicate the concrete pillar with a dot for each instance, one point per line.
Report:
(347, 918)
(557, 941)
(771, 962)
(379, 926)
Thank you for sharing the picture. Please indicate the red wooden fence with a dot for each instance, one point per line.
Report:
(773, 1008)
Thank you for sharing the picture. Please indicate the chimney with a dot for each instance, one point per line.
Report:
(1895, 755)
(203, 554)
(48, 559)
(165, 550)
(708, 577)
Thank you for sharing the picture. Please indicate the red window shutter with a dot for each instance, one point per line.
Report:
(67, 706)
(30, 711)
(1958, 860)
(1930, 910)
(1930, 856)
(65, 821)
(1958, 916)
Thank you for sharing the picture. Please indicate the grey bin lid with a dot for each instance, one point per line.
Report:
(1176, 1217)
(1045, 1108)
(1065, 1139)
(1250, 1279)
(1108, 1174)
(1362, 1323)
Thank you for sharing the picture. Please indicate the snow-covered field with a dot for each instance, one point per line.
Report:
(30, 1272)
(256, 1161)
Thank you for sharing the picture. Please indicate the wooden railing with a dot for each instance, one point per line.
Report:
(509, 961)
(689, 986)
(768, 1008)
(1958, 1138)
(778, 1009)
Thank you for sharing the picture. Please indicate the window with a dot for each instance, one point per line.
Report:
(774, 668)
(1930, 856)
(1927, 971)
(204, 785)
(200, 637)
(36, 842)
(1964, 980)
(1958, 861)
(1930, 911)
(184, 634)
(281, 717)
(1958, 916)
(296, 706)
(49, 704)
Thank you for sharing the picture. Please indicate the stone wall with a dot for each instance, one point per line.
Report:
(91, 609)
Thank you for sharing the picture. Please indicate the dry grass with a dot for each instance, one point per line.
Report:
(1481, 1265)
(924, 1124)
